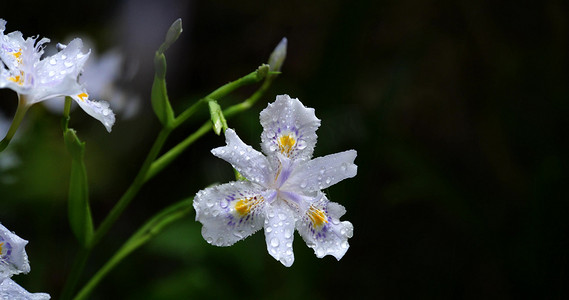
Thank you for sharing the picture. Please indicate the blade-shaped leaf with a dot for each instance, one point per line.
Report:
(79, 212)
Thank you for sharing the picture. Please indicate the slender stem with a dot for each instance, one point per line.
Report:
(66, 111)
(173, 153)
(75, 273)
(217, 94)
(18, 117)
(132, 190)
(169, 156)
(142, 236)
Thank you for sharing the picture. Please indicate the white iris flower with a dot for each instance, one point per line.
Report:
(36, 79)
(283, 191)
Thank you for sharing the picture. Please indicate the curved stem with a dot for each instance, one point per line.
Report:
(132, 190)
(142, 236)
(250, 78)
(18, 117)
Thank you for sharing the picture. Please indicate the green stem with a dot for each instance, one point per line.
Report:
(169, 156)
(250, 78)
(18, 117)
(74, 275)
(141, 237)
(132, 190)
(173, 153)
(66, 111)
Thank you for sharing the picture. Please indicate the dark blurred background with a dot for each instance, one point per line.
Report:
(458, 111)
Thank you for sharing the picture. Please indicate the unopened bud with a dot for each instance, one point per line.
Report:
(278, 56)
(172, 35)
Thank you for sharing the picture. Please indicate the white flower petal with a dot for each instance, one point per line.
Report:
(279, 232)
(323, 172)
(249, 162)
(10, 290)
(322, 230)
(54, 70)
(99, 110)
(13, 257)
(289, 128)
(230, 212)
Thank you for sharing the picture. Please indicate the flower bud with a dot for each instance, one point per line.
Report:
(278, 56)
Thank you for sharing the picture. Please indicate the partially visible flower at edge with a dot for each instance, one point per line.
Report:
(283, 191)
(13, 257)
(36, 79)
(14, 260)
(10, 290)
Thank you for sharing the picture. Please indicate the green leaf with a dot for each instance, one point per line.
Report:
(159, 96)
(79, 212)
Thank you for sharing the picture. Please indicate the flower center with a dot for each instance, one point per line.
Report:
(317, 217)
(19, 79)
(82, 96)
(244, 206)
(286, 144)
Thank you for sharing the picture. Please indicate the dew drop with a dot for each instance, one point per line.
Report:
(328, 180)
(343, 167)
(51, 73)
(344, 245)
(287, 233)
(52, 61)
(63, 56)
(274, 242)
(282, 216)
(303, 185)
(68, 64)
(269, 229)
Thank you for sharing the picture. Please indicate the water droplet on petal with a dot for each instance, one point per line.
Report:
(344, 245)
(52, 61)
(282, 216)
(328, 180)
(274, 242)
(269, 229)
(287, 233)
(303, 185)
(68, 64)
(63, 56)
